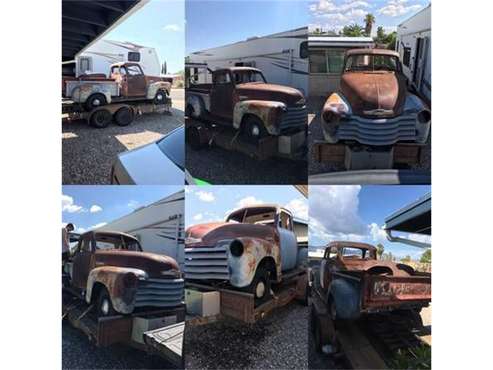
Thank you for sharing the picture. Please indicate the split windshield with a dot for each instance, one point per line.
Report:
(371, 62)
(106, 242)
(242, 77)
(264, 216)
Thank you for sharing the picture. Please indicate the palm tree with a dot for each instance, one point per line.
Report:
(370, 21)
(352, 30)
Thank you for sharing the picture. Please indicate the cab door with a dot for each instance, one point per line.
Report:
(82, 262)
(222, 94)
(327, 267)
(136, 85)
(287, 240)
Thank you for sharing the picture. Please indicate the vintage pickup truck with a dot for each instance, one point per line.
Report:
(374, 106)
(353, 282)
(126, 82)
(241, 98)
(110, 270)
(254, 246)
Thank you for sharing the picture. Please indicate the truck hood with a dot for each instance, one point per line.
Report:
(369, 91)
(262, 91)
(365, 265)
(153, 264)
(207, 235)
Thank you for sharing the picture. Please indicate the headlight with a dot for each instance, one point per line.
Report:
(336, 104)
(424, 116)
(236, 248)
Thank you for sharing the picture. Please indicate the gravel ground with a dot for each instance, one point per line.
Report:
(88, 153)
(315, 133)
(278, 342)
(79, 353)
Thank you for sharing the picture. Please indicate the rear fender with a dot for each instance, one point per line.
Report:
(269, 112)
(255, 250)
(346, 296)
(121, 283)
(81, 93)
(154, 87)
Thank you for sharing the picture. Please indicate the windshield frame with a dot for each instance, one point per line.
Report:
(371, 68)
(244, 71)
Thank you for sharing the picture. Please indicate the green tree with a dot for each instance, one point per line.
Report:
(369, 22)
(380, 35)
(406, 259)
(352, 30)
(380, 250)
(426, 256)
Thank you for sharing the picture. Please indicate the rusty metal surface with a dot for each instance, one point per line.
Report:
(269, 112)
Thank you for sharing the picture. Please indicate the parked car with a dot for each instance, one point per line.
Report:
(126, 82)
(374, 106)
(254, 246)
(353, 282)
(110, 270)
(241, 98)
(159, 163)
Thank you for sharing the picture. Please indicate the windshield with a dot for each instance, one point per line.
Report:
(172, 147)
(116, 242)
(242, 77)
(371, 62)
(264, 216)
(349, 252)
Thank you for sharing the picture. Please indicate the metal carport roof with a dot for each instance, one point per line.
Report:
(83, 22)
(414, 218)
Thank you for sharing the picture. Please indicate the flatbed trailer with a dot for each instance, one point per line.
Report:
(155, 331)
(201, 134)
(367, 343)
(122, 113)
(240, 306)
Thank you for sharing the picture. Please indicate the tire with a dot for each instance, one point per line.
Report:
(100, 118)
(332, 309)
(194, 138)
(253, 129)
(260, 286)
(104, 306)
(95, 101)
(160, 97)
(189, 111)
(124, 116)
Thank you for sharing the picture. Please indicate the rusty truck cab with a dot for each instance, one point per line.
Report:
(130, 78)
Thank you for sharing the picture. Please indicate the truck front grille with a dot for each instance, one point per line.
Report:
(378, 132)
(294, 119)
(206, 263)
(160, 293)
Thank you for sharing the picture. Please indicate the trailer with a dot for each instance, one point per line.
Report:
(238, 305)
(157, 331)
(122, 114)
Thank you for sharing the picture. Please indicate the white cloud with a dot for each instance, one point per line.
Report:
(334, 213)
(95, 208)
(378, 234)
(69, 206)
(198, 217)
(172, 27)
(97, 226)
(248, 201)
(205, 196)
(396, 8)
(334, 15)
(298, 207)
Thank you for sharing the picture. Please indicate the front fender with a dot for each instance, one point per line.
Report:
(81, 93)
(153, 88)
(269, 112)
(121, 283)
(243, 268)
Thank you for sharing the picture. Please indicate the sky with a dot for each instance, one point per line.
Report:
(214, 203)
(215, 23)
(357, 213)
(158, 24)
(334, 15)
(90, 207)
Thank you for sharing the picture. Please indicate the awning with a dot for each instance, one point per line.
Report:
(414, 218)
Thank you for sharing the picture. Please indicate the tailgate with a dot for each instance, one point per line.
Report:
(381, 291)
(167, 342)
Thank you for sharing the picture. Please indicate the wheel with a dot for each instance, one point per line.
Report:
(253, 129)
(100, 118)
(105, 307)
(124, 116)
(95, 100)
(260, 286)
(160, 97)
(194, 137)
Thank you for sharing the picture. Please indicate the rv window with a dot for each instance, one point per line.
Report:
(335, 60)
(133, 56)
(406, 59)
(85, 65)
(304, 50)
(318, 62)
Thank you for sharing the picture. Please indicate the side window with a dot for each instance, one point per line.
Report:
(335, 60)
(406, 59)
(222, 79)
(134, 71)
(85, 64)
(304, 50)
(133, 56)
(123, 71)
(285, 221)
(85, 245)
(332, 253)
(318, 62)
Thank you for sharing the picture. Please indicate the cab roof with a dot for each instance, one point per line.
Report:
(265, 205)
(109, 233)
(342, 244)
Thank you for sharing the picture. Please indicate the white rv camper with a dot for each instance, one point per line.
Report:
(98, 57)
(414, 47)
(282, 57)
(327, 58)
(159, 226)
